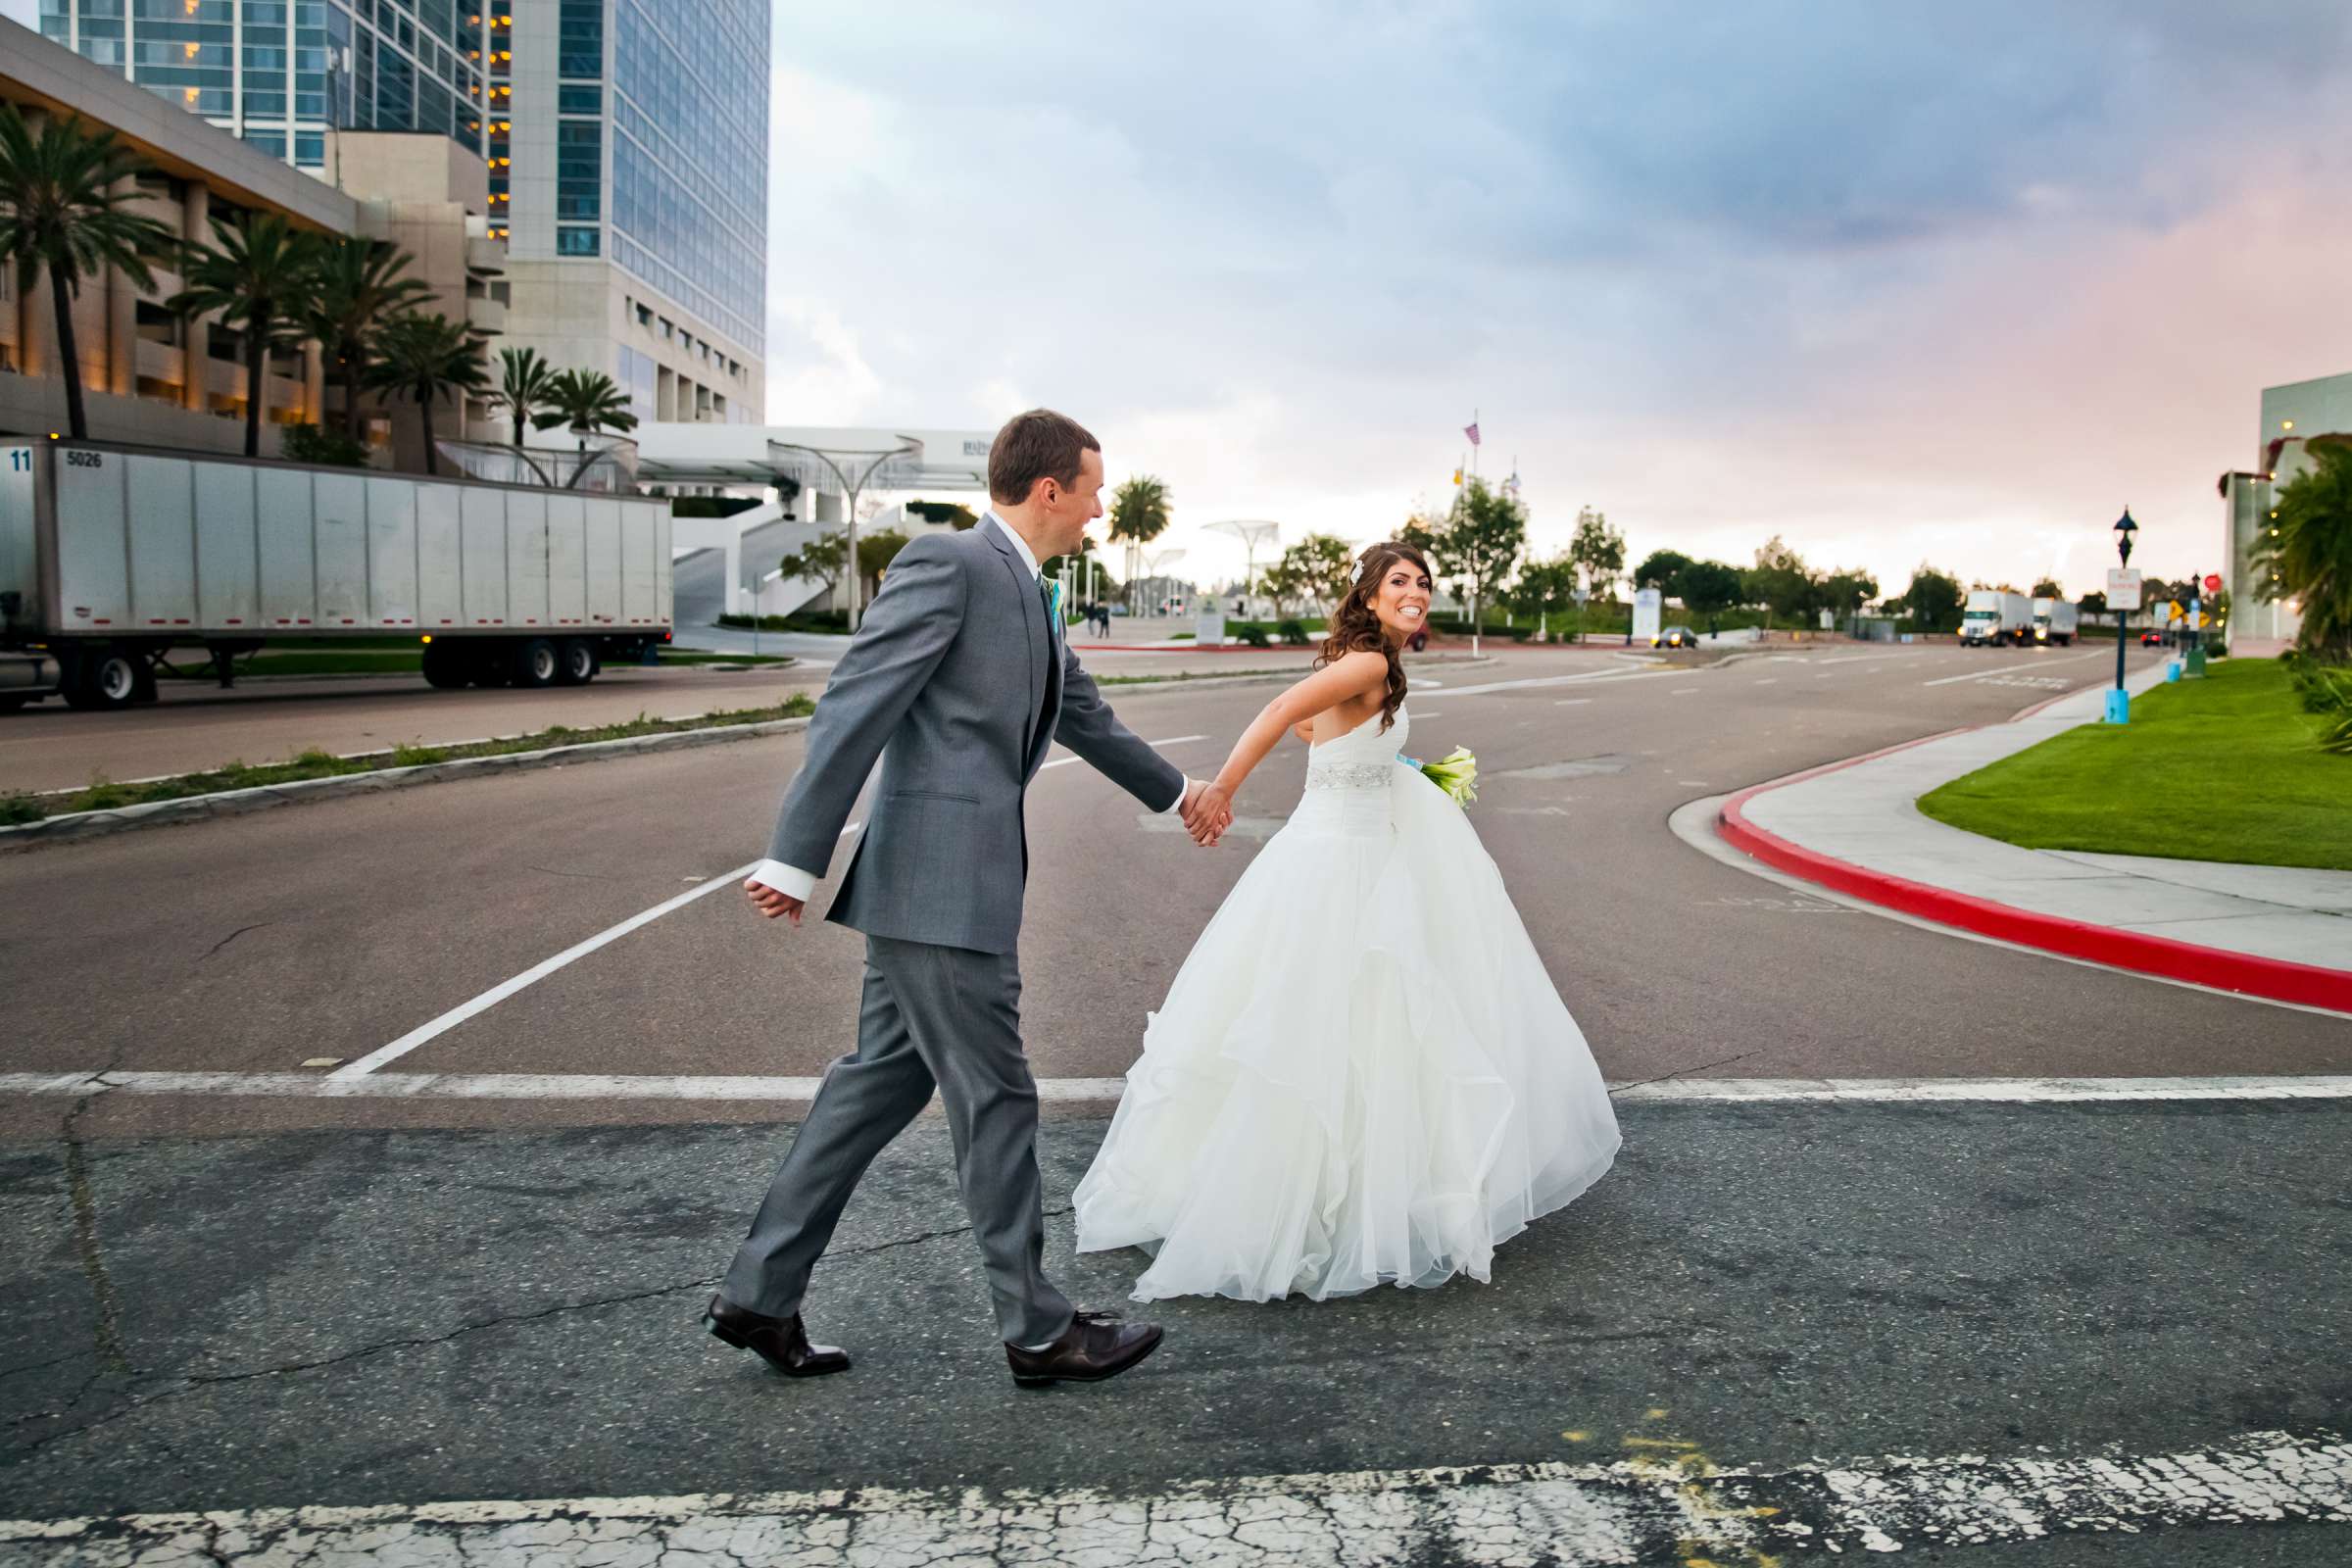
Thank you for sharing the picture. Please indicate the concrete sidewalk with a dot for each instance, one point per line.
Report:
(1858, 826)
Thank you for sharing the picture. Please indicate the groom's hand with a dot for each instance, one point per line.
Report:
(768, 901)
(1208, 813)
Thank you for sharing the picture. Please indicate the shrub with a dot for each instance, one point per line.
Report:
(329, 449)
(1293, 632)
(1254, 635)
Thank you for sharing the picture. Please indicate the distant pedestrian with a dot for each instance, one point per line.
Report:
(1102, 615)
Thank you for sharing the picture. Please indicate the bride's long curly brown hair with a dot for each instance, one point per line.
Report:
(1355, 628)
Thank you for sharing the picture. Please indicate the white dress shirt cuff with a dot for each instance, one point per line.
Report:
(789, 880)
(1170, 807)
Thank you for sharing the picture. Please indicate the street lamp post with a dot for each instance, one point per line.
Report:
(861, 471)
(2119, 702)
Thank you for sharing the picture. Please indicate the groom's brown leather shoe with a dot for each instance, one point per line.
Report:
(1095, 1346)
(781, 1342)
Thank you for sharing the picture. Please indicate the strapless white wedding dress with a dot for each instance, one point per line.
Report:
(1362, 1074)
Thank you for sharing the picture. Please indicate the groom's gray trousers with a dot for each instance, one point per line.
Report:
(948, 1017)
(959, 685)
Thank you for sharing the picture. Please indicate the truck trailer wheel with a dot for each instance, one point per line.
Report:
(535, 664)
(575, 661)
(107, 679)
(446, 666)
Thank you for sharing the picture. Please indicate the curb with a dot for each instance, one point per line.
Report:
(2218, 969)
(79, 825)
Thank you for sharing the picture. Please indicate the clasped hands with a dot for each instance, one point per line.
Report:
(1207, 812)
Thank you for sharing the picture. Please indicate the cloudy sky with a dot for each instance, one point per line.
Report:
(1951, 283)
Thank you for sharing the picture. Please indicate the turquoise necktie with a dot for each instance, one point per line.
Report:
(1050, 593)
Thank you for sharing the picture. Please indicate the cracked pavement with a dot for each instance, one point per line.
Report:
(400, 1319)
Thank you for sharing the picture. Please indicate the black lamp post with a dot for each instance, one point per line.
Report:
(2125, 528)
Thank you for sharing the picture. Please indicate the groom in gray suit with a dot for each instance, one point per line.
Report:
(960, 679)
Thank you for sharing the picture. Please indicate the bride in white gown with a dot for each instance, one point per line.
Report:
(1362, 1074)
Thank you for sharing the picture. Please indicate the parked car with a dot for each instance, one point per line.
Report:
(2151, 638)
(1675, 637)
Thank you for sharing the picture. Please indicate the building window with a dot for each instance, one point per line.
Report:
(579, 98)
(576, 242)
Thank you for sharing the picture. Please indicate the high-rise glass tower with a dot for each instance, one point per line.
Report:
(279, 73)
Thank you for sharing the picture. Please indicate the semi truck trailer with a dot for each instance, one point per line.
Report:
(112, 557)
(1993, 616)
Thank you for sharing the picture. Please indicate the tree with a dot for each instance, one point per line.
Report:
(1478, 542)
(357, 288)
(1284, 578)
(2306, 554)
(1599, 550)
(260, 275)
(1710, 587)
(424, 358)
(526, 387)
(1846, 592)
(1139, 513)
(1544, 589)
(1933, 598)
(1781, 582)
(62, 199)
(822, 557)
(2093, 604)
(2048, 588)
(587, 402)
(1663, 570)
(1320, 566)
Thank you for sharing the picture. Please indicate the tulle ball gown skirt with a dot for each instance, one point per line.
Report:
(1362, 1074)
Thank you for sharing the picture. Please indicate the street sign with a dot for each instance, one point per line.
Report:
(2122, 587)
(2213, 582)
(1649, 604)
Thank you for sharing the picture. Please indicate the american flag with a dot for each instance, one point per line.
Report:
(1470, 431)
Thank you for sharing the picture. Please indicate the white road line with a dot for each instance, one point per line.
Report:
(1653, 1508)
(2007, 670)
(1769, 680)
(1572, 702)
(435, 1028)
(535, 973)
(1682, 691)
(2053, 1091)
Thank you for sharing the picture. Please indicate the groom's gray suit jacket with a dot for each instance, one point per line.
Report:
(957, 682)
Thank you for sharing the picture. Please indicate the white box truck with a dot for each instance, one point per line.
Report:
(111, 557)
(1993, 617)
(2055, 620)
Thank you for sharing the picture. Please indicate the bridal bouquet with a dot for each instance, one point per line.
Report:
(1457, 773)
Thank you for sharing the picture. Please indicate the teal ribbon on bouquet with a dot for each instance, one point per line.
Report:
(1457, 773)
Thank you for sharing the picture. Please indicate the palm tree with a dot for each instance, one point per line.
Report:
(1138, 515)
(60, 208)
(360, 287)
(587, 401)
(525, 385)
(2306, 554)
(423, 358)
(261, 276)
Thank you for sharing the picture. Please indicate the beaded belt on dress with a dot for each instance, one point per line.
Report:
(1350, 776)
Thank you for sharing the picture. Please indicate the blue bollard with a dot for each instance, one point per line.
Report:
(2119, 706)
(2171, 672)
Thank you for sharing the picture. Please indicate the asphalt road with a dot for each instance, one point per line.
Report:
(386, 1318)
(329, 930)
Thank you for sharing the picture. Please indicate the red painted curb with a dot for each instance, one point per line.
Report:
(2247, 973)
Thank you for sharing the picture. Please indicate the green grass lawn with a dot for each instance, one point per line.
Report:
(2223, 768)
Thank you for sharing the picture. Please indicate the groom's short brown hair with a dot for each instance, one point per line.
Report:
(1038, 445)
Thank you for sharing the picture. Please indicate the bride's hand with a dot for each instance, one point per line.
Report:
(1209, 813)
